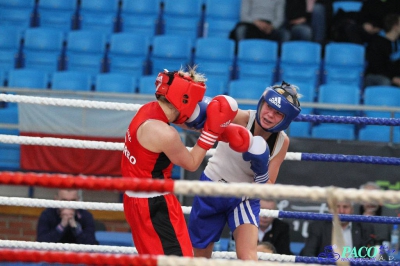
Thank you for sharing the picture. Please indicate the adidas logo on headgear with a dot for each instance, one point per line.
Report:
(276, 101)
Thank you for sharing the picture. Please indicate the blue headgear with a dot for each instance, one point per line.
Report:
(282, 98)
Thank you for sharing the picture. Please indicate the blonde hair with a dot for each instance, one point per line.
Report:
(195, 76)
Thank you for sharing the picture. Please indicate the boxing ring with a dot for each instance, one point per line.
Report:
(25, 251)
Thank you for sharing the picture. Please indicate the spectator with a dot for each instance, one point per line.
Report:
(296, 25)
(319, 238)
(383, 55)
(66, 225)
(368, 22)
(260, 19)
(319, 15)
(382, 231)
(274, 230)
(266, 247)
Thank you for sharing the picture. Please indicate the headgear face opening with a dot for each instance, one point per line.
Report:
(282, 98)
(181, 91)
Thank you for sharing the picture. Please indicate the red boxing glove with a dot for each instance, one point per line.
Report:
(220, 112)
(238, 137)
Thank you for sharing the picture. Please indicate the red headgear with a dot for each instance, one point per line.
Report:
(181, 91)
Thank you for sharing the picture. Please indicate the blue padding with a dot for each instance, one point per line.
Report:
(114, 238)
(296, 247)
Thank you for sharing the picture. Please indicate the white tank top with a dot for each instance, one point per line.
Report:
(227, 165)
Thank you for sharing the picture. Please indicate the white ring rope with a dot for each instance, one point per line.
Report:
(14, 244)
(69, 102)
(91, 144)
(45, 203)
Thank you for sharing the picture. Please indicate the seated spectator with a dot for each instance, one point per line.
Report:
(274, 230)
(260, 19)
(382, 231)
(383, 55)
(296, 25)
(66, 225)
(368, 22)
(266, 247)
(319, 16)
(319, 238)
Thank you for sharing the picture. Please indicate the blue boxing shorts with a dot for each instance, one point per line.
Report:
(210, 214)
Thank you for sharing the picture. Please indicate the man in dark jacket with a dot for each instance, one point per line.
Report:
(274, 230)
(320, 233)
(66, 225)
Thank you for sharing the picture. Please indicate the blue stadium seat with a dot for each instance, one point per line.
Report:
(170, 52)
(396, 130)
(333, 131)
(115, 82)
(301, 129)
(257, 59)
(300, 61)
(344, 64)
(243, 89)
(9, 153)
(85, 51)
(347, 6)
(220, 17)
(71, 80)
(129, 53)
(215, 86)
(99, 15)
(59, 14)
(139, 16)
(43, 49)
(182, 18)
(10, 41)
(28, 78)
(18, 13)
(107, 238)
(388, 96)
(338, 94)
(147, 84)
(215, 57)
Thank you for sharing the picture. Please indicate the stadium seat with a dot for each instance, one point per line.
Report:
(257, 59)
(85, 51)
(147, 84)
(71, 80)
(18, 13)
(59, 14)
(220, 17)
(109, 238)
(170, 52)
(396, 130)
(333, 131)
(43, 49)
(28, 78)
(215, 86)
(215, 57)
(99, 15)
(115, 82)
(300, 61)
(246, 90)
(10, 41)
(129, 53)
(182, 18)
(344, 64)
(347, 6)
(9, 153)
(139, 16)
(301, 129)
(338, 94)
(384, 96)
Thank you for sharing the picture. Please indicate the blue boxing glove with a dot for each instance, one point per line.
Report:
(258, 155)
(198, 118)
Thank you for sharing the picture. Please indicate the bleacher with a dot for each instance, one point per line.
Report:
(97, 38)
